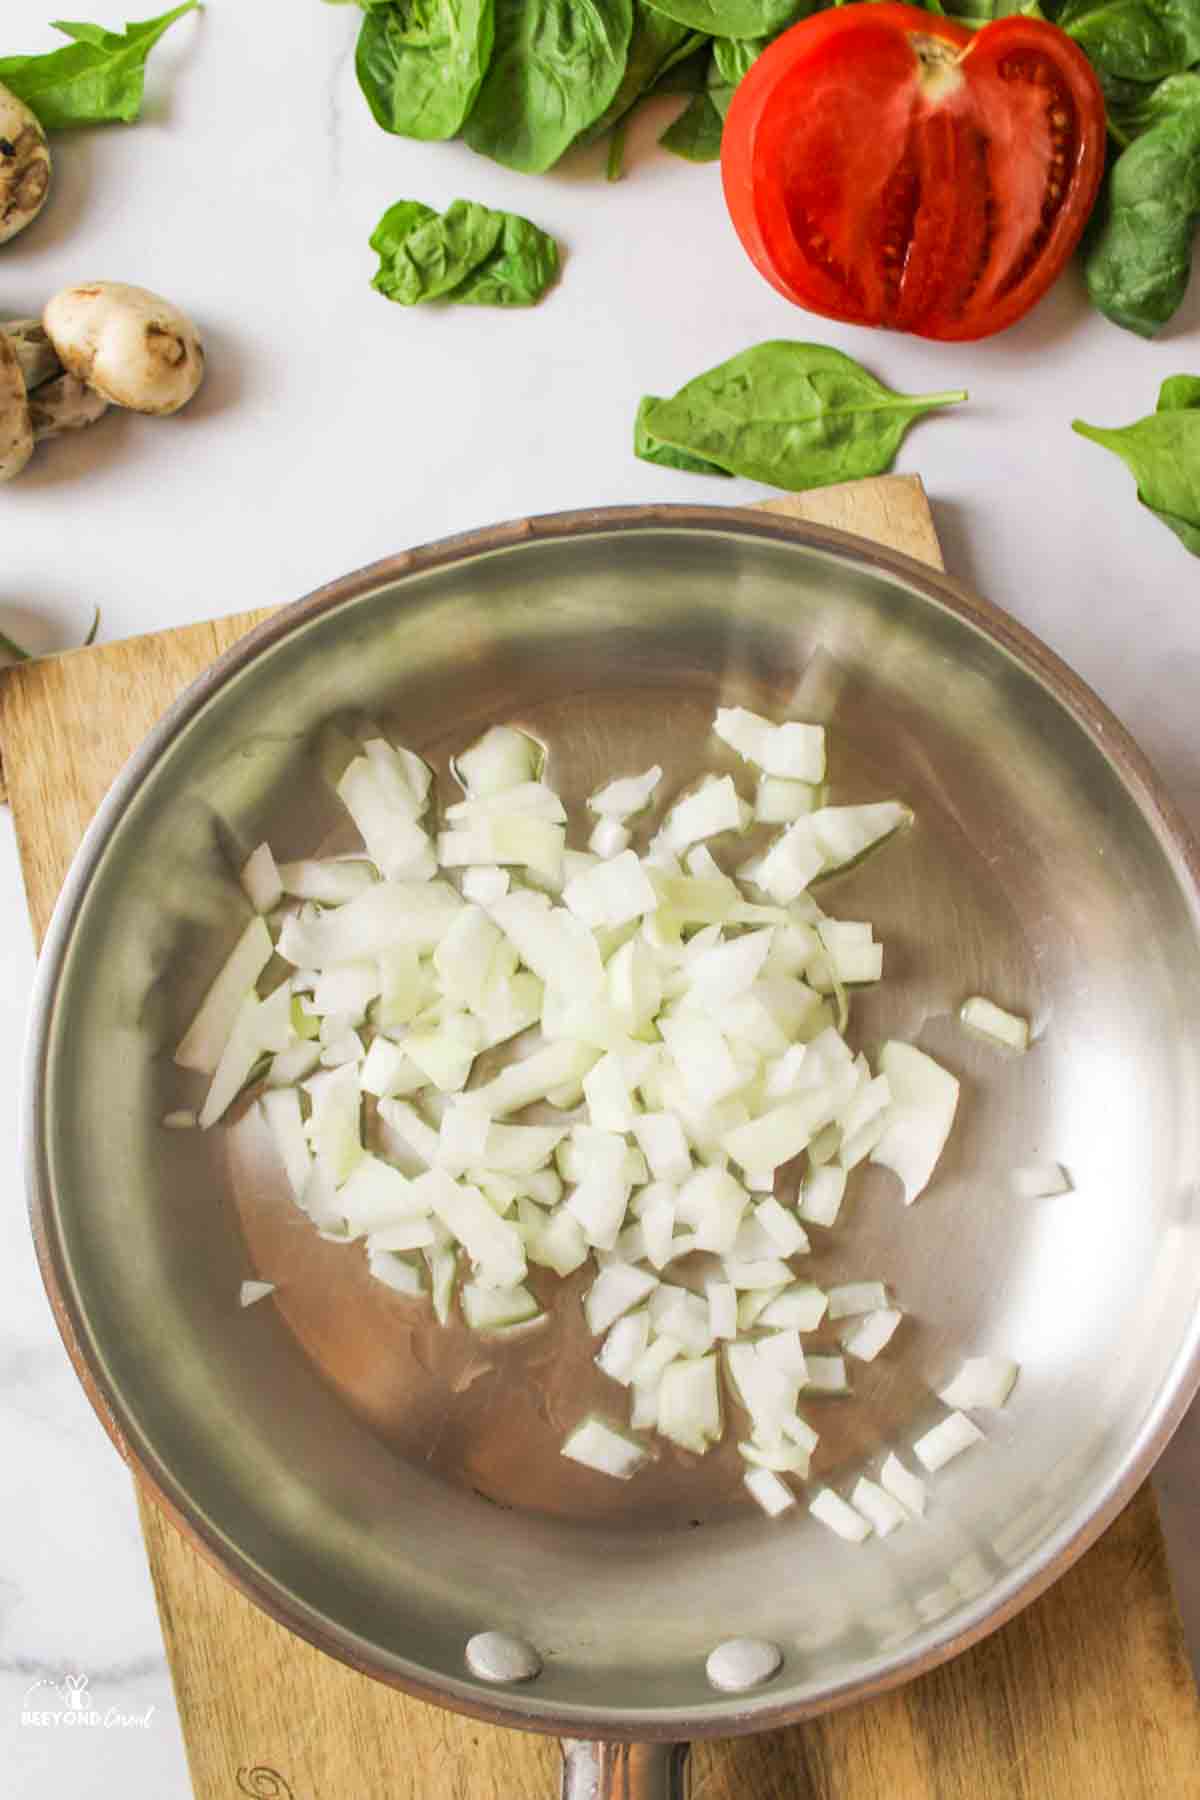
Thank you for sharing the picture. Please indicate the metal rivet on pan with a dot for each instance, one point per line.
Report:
(741, 1663)
(495, 1656)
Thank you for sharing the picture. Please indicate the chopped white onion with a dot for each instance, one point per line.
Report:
(773, 1495)
(261, 880)
(856, 1297)
(833, 1511)
(879, 1508)
(598, 1446)
(918, 1118)
(990, 1021)
(793, 750)
(946, 1441)
(252, 1291)
(903, 1485)
(982, 1381)
(872, 1334)
(827, 1375)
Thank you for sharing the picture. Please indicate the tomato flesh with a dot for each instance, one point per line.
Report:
(886, 166)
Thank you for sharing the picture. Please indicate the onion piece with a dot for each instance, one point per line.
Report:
(711, 809)
(281, 1110)
(181, 1119)
(627, 795)
(502, 758)
(946, 1441)
(982, 1381)
(800, 1307)
(842, 1519)
(903, 1485)
(822, 1194)
(497, 1308)
(856, 1297)
(794, 750)
(722, 1309)
(252, 1291)
(779, 801)
(205, 1040)
(625, 1343)
(872, 1334)
(987, 1020)
(879, 1508)
(689, 1403)
(484, 886)
(332, 881)
(919, 1117)
(599, 1446)
(616, 1290)
(261, 880)
(397, 1272)
(827, 1375)
(773, 1495)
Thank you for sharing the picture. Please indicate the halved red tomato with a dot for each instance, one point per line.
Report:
(887, 166)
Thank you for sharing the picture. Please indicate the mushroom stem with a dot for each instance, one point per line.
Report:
(64, 404)
(35, 353)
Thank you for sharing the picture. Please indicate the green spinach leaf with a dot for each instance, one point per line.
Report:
(523, 265)
(733, 18)
(1162, 453)
(653, 450)
(690, 73)
(792, 415)
(421, 63)
(656, 46)
(469, 254)
(96, 79)
(1135, 108)
(1138, 40)
(1140, 255)
(555, 67)
(696, 133)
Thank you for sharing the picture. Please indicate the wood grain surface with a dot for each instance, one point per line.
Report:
(1086, 1695)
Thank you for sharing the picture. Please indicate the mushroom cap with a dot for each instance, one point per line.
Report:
(24, 166)
(16, 425)
(132, 346)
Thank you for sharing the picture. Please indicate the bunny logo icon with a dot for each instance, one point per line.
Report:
(75, 1693)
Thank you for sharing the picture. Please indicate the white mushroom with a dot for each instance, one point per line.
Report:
(16, 426)
(37, 399)
(24, 166)
(134, 348)
(35, 352)
(64, 404)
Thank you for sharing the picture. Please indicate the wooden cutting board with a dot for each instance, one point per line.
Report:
(1086, 1695)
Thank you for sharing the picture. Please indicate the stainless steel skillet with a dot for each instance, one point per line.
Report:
(389, 1491)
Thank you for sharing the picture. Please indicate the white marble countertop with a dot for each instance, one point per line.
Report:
(335, 428)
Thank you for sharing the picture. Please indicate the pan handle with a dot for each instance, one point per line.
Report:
(624, 1771)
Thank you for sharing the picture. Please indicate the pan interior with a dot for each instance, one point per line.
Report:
(399, 1488)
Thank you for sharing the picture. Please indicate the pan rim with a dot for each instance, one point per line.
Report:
(721, 1717)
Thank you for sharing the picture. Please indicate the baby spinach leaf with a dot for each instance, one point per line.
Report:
(555, 67)
(96, 79)
(656, 45)
(690, 73)
(1140, 257)
(523, 265)
(1162, 453)
(1135, 107)
(653, 450)
(1138, 40)
(733, 18)
(421, 63)
(696, 133)
(468, 254)
(790, 414)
